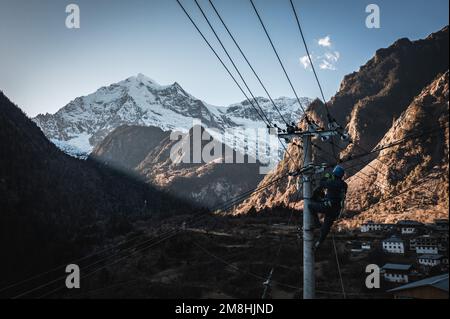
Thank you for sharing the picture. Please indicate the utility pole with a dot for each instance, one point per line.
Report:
(307, 172)
(308, 235)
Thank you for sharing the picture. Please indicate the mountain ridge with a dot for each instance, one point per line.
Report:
(55, 207)
(368, 103)
(139, 100)
(147, 152)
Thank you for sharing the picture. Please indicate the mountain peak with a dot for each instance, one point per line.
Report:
(140, 78)
(139, 100)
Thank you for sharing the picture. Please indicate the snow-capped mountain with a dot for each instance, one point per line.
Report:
(139, 100)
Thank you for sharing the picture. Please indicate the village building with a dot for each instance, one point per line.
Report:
(427, 249)
(441, 225)
(393, 245)
(430, 260)
(396, 273)
(430, 288)
(356, 247)
(426, 243)
(409, 227)
(370, 226)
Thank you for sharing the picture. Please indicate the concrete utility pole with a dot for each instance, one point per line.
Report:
(308, 170)
(308, 235)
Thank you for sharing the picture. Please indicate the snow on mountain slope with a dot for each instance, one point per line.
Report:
(139, 100)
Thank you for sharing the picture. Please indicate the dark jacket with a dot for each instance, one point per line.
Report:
(334, 190)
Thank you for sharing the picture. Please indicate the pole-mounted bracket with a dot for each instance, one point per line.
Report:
(314, 130)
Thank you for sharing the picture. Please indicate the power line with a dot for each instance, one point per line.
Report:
(386, 146)
(281, 63)
(378, 149)
(222, 206)
(315, 74)
(353, 168)
(330, 118)
(290, 286)
(136, 250)
(240, 270)
(309, 56)
(398, 142)
(276, 282)
(239, 73)
(269, 278)
(64, 265)
(263, 117)
(421, 182)
(231, 60)
(338, 267)
(223, 47)
(150, 243)
(248, 62)
(128, 282)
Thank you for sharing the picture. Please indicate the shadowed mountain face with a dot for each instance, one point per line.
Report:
(53, 206)
(369, 104)
(206, 182)
(128, 145)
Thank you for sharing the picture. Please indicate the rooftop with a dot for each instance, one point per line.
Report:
(403, 267)
(433, 236)
(408, 222)
(439, 282)
(393, 239)
(429, 256)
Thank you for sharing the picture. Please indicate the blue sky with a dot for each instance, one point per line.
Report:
(44, 65)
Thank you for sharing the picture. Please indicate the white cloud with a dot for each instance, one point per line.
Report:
(325, 65)
(332, 56)
(325, 42)
(329, 60)
(304, 60)
(326, 61)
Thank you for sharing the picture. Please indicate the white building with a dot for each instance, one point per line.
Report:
(397, 273)
(409, 227)
(427, 249)
(426, 244)
(408, 230)
(430, 260)
(423, 240)
(370, 226)
(394, 245)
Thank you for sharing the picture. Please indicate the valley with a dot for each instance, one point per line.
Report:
(98, 183)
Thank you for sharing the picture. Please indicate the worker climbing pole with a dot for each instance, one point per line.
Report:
(308, 171)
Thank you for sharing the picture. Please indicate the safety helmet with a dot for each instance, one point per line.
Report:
(338, 171)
